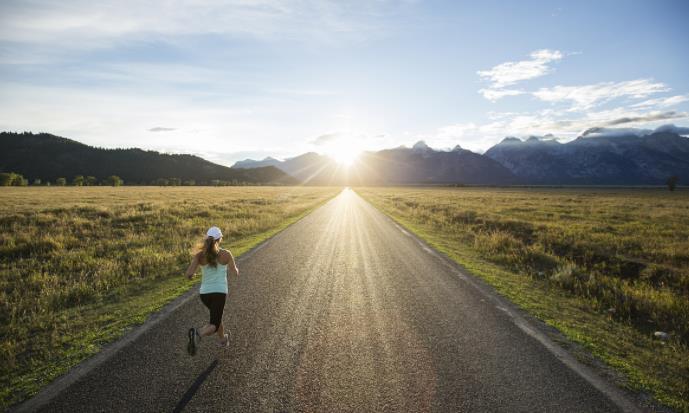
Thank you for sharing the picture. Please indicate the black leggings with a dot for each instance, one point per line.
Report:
(216, 304)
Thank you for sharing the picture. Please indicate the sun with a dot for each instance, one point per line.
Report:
(345, 156)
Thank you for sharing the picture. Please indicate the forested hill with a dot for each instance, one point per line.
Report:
(48, 157)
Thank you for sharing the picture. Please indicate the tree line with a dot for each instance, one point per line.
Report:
(50, 157)
(15, 179)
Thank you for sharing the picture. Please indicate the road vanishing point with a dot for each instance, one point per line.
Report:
(342, 311)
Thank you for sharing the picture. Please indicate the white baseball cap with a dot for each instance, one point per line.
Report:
(214, 232)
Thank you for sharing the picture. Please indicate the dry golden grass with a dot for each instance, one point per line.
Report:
(78, 265)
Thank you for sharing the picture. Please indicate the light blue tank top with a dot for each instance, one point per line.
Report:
(213, 279)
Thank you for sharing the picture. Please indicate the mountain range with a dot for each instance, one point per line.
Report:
(49, 157)
(610, 158)
(417, 165)
(597, 157)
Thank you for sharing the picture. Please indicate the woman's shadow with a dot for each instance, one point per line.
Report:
(189, 394)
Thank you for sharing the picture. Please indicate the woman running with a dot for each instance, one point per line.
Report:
(216, 265)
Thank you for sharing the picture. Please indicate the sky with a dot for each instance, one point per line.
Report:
(236, 79)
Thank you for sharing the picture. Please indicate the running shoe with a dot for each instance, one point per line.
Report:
(193, 341)
(225, 342)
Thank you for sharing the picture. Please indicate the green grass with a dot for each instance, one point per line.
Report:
(80, 266)
(605, 267)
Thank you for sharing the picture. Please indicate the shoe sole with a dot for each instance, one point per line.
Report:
(191, 345)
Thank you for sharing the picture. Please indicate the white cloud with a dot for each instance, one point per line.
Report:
(495, 94)
(480, 137)
(662, 102)
(456, 130)
(585, 97)
(546, 55)
(84, 24)
(612, 132)
(509, 73)
(303, 92)
(598, 132)
(574, 107)
(563, 125)
(326, 139)
(648, 117)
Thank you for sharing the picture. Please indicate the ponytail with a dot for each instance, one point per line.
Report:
(210, 251)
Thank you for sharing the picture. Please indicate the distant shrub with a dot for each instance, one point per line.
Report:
(61, 182)
(12, 179)
(114, 180)
(5, 179)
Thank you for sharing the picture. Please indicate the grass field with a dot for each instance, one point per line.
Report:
(607, 267)
(78, 266)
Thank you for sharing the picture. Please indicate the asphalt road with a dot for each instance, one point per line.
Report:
(340, 312)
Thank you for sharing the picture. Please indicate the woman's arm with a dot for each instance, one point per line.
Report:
(193, 267)
(232, 266)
